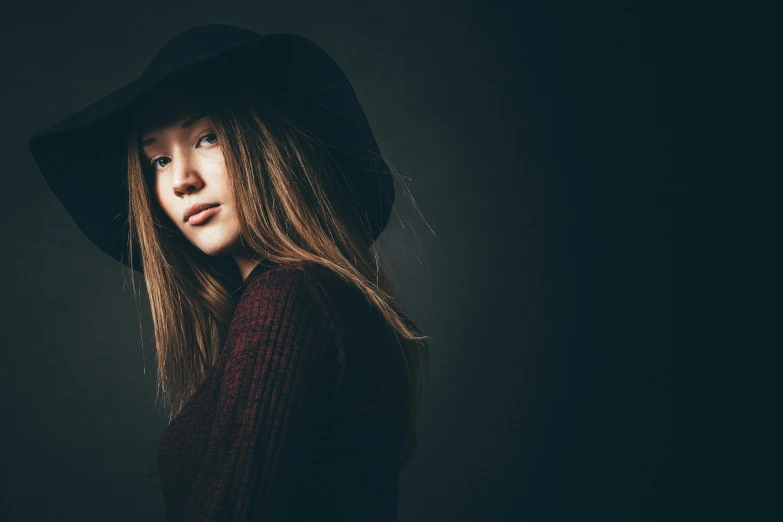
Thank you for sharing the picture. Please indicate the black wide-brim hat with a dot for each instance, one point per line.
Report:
(82, 157)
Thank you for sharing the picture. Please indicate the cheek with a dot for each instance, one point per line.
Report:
(166, 203)
(219, 178)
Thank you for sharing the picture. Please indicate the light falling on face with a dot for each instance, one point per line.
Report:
(186, 167)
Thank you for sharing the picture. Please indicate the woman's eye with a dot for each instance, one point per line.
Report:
(154, 163)
(212, 138)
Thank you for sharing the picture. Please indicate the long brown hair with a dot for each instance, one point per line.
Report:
(294, 203)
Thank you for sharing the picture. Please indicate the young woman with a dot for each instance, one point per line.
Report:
(249, 191)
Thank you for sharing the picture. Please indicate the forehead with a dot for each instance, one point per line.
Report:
(187, 121)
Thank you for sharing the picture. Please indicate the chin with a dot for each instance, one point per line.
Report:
(217, 244)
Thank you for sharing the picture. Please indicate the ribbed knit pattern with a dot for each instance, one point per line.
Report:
(303, 401)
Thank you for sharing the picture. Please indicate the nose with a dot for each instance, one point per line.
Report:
(186, 178)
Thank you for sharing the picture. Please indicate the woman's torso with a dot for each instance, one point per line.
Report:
(351, 471)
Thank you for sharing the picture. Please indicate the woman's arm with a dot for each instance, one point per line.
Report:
(283, 367)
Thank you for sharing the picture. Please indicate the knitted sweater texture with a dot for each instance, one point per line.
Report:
(301, 416)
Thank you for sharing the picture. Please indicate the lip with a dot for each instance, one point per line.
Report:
(198, 214)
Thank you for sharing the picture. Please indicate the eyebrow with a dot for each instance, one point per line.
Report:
(185, 124)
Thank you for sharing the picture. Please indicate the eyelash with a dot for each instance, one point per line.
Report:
(155, 161)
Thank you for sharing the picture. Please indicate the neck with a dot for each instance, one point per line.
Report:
(245, 266)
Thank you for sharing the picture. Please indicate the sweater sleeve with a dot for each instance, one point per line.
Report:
(281, 370)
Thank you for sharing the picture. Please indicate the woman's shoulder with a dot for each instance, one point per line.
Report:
(301, 284)
(292, 281)
(300, 275)
(309, 284)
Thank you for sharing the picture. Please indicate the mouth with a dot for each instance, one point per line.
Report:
(201, 213)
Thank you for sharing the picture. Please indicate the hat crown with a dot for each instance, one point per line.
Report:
(197, 43)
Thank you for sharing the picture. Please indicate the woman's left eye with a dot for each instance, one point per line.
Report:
(210, 135)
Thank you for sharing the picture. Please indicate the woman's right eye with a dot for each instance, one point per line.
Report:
(154, 163)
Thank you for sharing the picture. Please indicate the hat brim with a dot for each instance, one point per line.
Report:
(82, 157)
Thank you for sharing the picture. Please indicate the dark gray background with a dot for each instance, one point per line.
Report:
(536, 136)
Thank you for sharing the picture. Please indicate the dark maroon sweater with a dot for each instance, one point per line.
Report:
(300, 418)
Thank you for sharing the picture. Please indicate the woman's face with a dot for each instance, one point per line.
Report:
(184, 158)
